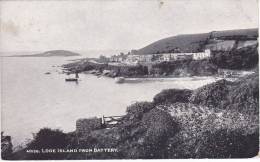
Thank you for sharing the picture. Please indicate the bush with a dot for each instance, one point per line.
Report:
(212, 95)
(210, 133)
(136, 110)
(244, 95)
(238, 59)
(185, 68)
(160, 126)
(172, 96)
(6, 147)
(241, 95)
(47, 139)
(228, 144)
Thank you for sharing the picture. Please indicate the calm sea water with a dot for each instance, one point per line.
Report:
(32, 100)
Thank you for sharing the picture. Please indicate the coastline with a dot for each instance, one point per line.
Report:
(173, 114)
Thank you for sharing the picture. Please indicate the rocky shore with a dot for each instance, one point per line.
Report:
(180, 68)
(218, 120)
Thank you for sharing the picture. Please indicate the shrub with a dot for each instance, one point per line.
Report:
(239, 59)
(136, 110)
(47, 138)
(228, 144)
(185, 67)
(212, 95)
(211, 133)
(6, 147)
(172, 96)
(244, 95)
(160, 126)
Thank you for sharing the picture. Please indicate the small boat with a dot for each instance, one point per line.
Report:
(119, 79)
(47, 73)
(71, 79)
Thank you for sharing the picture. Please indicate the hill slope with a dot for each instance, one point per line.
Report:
(216, 40)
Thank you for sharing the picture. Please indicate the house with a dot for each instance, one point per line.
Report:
(134, 58)
(166, 57)
(146, 58)
(201, 55)
(115, 58)
(183, 56)
(175, 56)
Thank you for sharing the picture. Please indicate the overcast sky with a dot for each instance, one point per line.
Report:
(115, 24)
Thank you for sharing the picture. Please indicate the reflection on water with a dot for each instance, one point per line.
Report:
(32, 99)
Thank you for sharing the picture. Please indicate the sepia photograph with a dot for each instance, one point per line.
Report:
(129, 79)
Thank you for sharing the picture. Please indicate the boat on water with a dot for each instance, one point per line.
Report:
(119, 79)
(73, 79)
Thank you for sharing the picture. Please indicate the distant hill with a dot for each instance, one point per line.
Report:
(215, 40)
(59, 53)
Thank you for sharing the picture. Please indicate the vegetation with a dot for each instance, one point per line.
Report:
(172, 96)
(136, 110)
(209, 133)
(196, 42)
(219, 120)
(46, 138)
(185, 68)
(238, 59)
(6, 147)
(212, 95)
(242, 95)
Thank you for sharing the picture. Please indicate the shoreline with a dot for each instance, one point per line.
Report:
(169, 78)
(167, 106)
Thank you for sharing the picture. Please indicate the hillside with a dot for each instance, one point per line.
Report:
(59, 53)
(215, 40)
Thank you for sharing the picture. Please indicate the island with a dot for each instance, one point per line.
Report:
(56, 53)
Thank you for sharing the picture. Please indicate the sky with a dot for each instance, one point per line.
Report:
(114, 24)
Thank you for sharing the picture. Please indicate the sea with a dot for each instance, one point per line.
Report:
(32, 99)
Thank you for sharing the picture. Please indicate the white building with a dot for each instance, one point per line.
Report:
(165, 57)
(135, 59)
(146, 58)
(201, 55)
